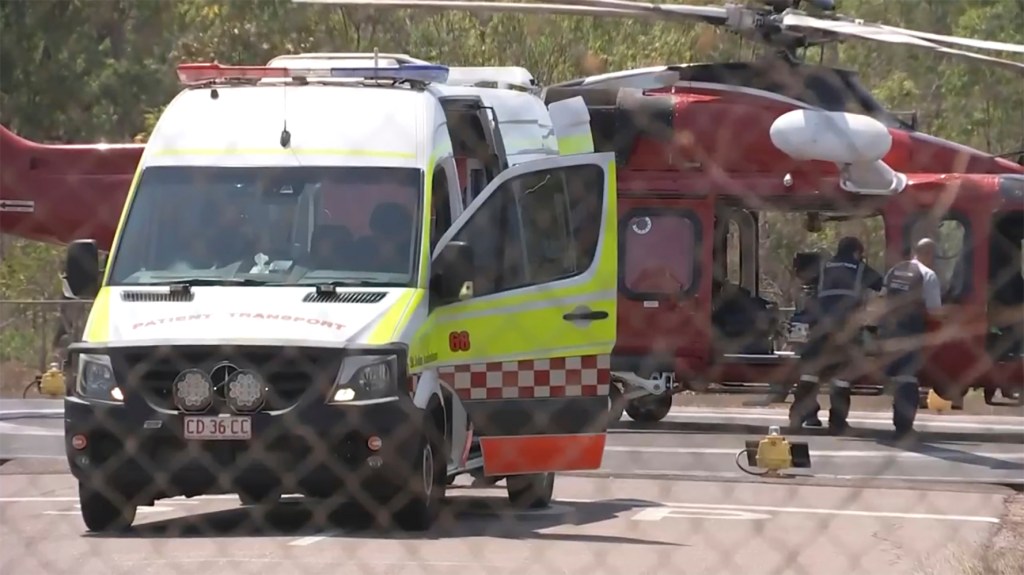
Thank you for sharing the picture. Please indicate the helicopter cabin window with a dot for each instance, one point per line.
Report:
(951, 234)
(658, 256)
(535, 228)
(440, 206)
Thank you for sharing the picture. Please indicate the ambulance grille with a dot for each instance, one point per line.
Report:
(152, 296)
(345, 297)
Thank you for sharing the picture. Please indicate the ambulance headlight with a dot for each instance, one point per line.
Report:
(96, 380)
(365, 378)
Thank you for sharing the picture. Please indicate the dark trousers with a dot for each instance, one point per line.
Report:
(831, 357)
(906, 389)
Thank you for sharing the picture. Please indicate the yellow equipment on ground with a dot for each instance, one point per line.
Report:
(52, 382)
(773, 453)
(936, 403)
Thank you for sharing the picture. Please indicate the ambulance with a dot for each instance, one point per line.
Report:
(297, 300)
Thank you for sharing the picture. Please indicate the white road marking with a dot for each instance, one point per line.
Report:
(702, 507)
(885, 419)
(304, 541)
(21, 429)
(814, 453)
(653, 513)
(696, 475)
(701, 512)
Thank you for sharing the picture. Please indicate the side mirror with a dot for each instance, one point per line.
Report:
(451, 271)
(82, 269)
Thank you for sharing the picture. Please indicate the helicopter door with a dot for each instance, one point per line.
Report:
(961, 234)
(526, 343)
(664, 303)
(1006, 286)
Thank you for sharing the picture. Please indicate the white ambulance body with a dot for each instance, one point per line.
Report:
(298, 299)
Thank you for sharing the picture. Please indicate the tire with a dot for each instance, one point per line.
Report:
(100, 514)
(649, 409)
(533, 491)
(617, 405)
(427, 485)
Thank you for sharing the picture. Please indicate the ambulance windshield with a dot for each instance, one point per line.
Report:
(280, 226)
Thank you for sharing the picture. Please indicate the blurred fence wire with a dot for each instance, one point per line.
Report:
(704, 270)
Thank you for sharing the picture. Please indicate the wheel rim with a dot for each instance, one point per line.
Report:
(428, 469)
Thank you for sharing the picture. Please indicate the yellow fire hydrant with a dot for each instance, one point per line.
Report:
(52, 382)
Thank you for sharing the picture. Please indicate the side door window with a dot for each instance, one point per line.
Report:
(536, 228)
(493, 233)
(560, 211)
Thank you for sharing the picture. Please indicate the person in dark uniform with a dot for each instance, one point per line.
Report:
(913, 298)
(832, 347)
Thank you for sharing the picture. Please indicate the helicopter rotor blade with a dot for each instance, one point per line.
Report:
(711, 14)
(857, 30)
(480, 6)
(959, 40)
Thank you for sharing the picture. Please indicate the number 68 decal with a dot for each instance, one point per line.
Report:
(458, 341)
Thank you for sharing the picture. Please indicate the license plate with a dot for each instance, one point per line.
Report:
(213, 428)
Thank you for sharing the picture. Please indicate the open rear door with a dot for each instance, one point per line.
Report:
(528, 351)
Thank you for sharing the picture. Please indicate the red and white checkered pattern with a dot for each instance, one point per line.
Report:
(580, 376)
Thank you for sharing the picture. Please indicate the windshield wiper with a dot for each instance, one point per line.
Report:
(328, 286)
(185, 284)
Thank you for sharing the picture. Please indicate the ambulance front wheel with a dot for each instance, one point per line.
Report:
(533, 491)
(103, 512)
(650, 408)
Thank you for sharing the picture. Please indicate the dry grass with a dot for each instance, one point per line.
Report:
(1002, 555)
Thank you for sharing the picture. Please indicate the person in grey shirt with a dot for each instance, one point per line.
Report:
(913, 295)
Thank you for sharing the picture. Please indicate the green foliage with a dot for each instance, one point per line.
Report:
(82, 70)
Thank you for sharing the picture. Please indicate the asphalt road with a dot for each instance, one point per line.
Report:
(669, 499)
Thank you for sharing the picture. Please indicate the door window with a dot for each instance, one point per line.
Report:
(536, 228)
(658, 257)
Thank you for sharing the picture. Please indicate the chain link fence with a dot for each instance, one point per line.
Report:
(272, 332)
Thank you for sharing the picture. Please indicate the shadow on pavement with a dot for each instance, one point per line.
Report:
(932, 449)
(462, 517)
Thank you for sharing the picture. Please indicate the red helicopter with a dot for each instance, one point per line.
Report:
(705, 151)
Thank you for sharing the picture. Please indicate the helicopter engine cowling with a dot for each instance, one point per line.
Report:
(855, 143)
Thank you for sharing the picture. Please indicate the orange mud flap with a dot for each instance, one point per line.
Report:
(521, 454)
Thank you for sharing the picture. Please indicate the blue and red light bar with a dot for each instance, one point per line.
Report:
(202, 73)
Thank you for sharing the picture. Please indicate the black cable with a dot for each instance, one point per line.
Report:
(743, 452)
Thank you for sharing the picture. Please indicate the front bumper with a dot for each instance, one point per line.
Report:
(317, 450)
(299, 443)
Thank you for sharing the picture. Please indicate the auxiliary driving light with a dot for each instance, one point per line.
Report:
(374, 443)
(79, 442)
(193, 390)
(344, 394)
(245, 391)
